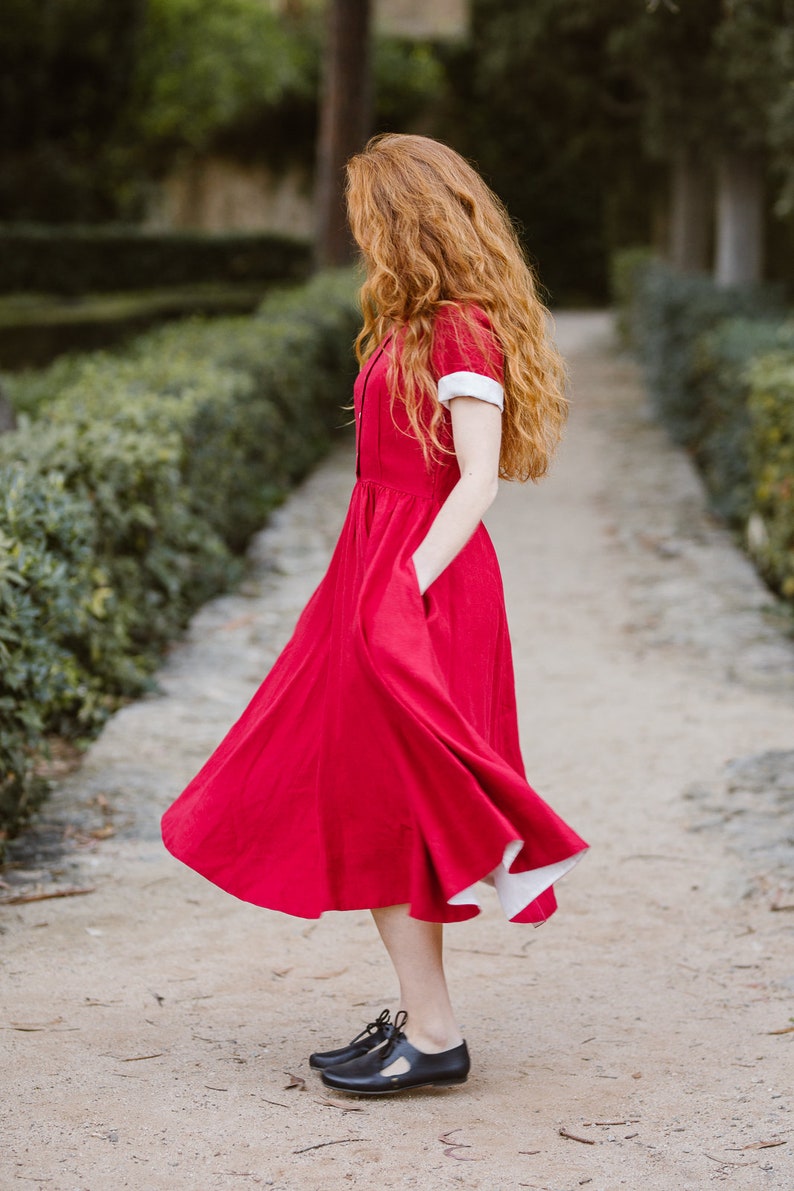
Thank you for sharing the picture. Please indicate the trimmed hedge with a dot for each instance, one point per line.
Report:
(771, 536)
(36, 329)
(74, 260)
(724, 386)
(667, 312)
(124, 503)
(626, 272)
(721, 443)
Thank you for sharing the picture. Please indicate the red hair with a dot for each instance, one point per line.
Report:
(432, 234)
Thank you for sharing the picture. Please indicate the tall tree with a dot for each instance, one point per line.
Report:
(710, 74)
(746, 61)
(345, 120)
(666, 48)
(553, 121)
(65, 79)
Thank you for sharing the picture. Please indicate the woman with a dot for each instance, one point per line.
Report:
(378, 766)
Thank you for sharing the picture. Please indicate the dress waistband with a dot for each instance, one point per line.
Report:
(365, 483)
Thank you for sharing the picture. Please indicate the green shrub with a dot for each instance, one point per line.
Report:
(50, 594)
(125, 501)
(721, 443)
(75, 260)
(719, 365)
(772, 467)
(627, 268)
(670, 312)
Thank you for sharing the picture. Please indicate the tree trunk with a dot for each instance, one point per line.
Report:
(690, 213)
(740, 219)
(345, 117)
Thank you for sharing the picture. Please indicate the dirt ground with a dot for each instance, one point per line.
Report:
(155, 1031)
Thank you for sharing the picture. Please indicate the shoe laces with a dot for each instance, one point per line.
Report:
(395, 1033)
(381, 1022)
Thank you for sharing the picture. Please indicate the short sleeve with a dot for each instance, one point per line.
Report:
(467, 358)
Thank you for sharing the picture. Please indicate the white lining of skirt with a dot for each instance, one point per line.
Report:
(516, 890)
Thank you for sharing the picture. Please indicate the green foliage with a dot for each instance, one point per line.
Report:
(100, 99)
(667, 52)
(77, 260)
(627, 269)
(724, 385)
(408, 78)
(781, 118)
(66, 71)
(124, 503)
(722, 361)
(541, 105)
(668, 313)
(206, 65)
(48, 588)
(709, 74)
(749, 60)
(772, 467)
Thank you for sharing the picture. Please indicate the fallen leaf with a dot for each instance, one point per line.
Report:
(764, 1145)
(295, 1081)
(103, 832)
(338, 1104)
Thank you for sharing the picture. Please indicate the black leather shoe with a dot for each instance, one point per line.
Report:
(363, 1075)
(371, 1036)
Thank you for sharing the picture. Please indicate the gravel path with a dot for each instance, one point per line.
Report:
(147, 1026)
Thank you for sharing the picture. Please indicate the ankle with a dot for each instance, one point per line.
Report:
(432, 1037)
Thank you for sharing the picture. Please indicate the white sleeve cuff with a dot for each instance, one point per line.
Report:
(470, 384)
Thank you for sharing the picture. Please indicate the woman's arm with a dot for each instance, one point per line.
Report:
(477, 432)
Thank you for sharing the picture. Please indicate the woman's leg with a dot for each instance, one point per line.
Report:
(415, 949)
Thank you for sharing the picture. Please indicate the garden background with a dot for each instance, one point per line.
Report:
(164, 158)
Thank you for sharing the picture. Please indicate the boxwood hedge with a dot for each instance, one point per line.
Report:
(720, 370)
(668, 311)
(721, 373)
(772, 467)
(72, 259)
(125, 501)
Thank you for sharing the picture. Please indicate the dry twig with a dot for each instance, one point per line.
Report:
(41, 895)
(587, 1141)
(340, 1142)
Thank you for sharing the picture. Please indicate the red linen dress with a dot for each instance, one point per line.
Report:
(379, 763)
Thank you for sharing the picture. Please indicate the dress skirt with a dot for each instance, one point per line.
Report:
(379, 762)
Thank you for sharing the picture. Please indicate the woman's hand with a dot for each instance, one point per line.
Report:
(477, 434)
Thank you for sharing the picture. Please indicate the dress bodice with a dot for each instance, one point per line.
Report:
(387, 450)
(466, 360)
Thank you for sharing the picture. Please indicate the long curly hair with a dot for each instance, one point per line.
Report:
(432, 234)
